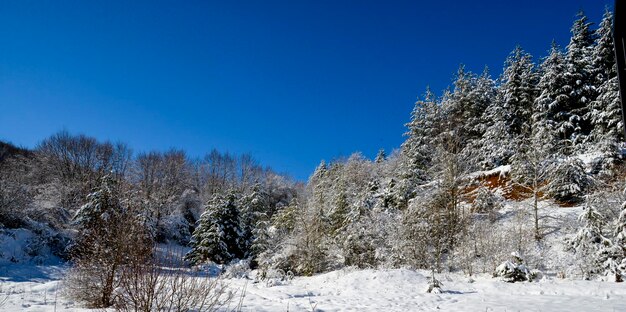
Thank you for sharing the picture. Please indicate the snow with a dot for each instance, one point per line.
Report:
(27, 287)
(499, 171)
(404, 290)
(38, 288)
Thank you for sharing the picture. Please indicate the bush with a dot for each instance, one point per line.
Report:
(152, 286)
(514, 270)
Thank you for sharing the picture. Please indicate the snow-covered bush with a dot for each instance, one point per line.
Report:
(514, 270)
(434, 285)
(486, 200)
(237, 269)
(568, 181)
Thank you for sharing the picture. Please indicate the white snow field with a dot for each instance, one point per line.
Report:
(34, 288)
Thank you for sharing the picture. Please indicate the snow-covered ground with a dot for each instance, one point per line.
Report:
(34, 288)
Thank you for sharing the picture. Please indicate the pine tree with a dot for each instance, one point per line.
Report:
(473, 125)
(424, 127)
(579, 80)
(568, 181)
(465, 105)
(511, 113)
(552, 115)
(589, 240)
(615, 255)
(605, 113)
(381, 156)
(254, 221)
(217, 236)
(94, 218)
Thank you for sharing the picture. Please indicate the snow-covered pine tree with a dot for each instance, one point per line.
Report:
(108, 236)
(605, 113)
(483, 94)
(381, 156)
(589, 240)
(96, 221)
(254, 221)
(579, 80)
(552, 116)
(533, 160)
(465, 105)
(424, 127)
(511, 113)
(614, 256)
(569, 182)
(217, 236)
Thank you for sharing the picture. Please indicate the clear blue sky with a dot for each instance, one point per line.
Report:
(292, 82)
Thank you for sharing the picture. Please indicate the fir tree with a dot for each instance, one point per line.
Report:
(254, 221)
(511, 113)
(589, 240)
(568, 181)
(217, 236)
(579, 80)
(424, 127)
(552, 115)
(605, 114)
(381, 156)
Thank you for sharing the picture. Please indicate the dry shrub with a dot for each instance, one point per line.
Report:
(152, 286)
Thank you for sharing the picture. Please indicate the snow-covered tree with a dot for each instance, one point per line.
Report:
(218, 234)
(254, 220)
(613, 256)
(605, 113)
(464, 106)
(510, 114)
(514, 270)
(589, 240)
(533, 159)
(552, 115)
(569, 181)
(424, 127)
(579, 80)
(381, 156)
(108, 234)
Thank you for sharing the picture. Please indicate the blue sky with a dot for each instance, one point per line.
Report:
(292, 82)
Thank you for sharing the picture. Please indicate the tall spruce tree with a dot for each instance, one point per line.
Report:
(217, 236)
(424, 127)
(579, 80)
(552, 105)
(511, 113)
(605, 113)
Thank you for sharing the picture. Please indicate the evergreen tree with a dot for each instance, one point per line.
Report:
(589, 240)
(615, 255)
(511, 113)
(605, 113)
(108, 236)
(552, 115)
(579, 80)
(381, 156)
(465, 105)
(217, 236)
(254, 221)
(95, 220)
(424, 127)
(568, 181)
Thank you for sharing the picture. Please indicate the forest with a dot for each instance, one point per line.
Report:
(484, 173)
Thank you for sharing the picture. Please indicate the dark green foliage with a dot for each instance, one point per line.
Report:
(217, 237)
